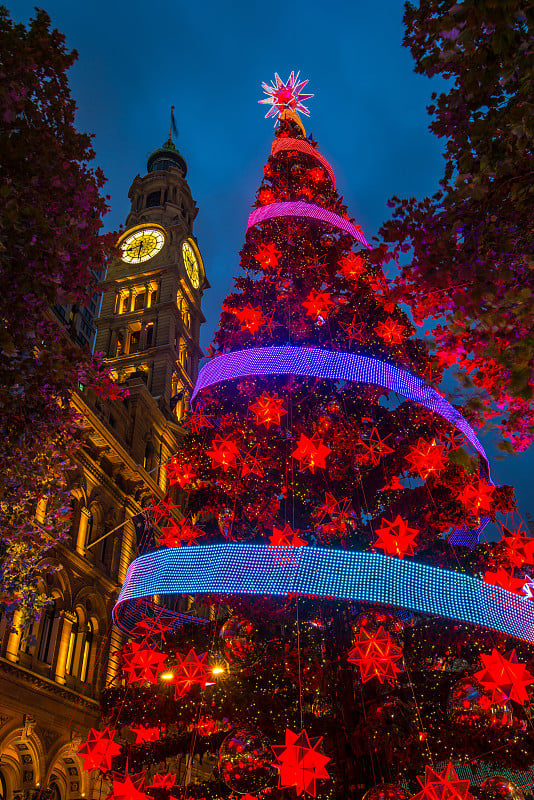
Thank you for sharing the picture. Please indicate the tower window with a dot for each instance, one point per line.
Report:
(45, 649)
(124, 304)
(86, 651)
(134, 341)
(120, 342)
(153, 199)
(139, 301)
(149, 334)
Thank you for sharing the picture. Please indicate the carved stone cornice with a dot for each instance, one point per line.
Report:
(47, 686)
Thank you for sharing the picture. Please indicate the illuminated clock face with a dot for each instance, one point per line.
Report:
(191, 264)
(141, 244)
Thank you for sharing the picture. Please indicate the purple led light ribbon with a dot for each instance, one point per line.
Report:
(310, 210)
(333, 365)
(257, 569)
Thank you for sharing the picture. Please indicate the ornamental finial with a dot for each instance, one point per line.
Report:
(286, 96)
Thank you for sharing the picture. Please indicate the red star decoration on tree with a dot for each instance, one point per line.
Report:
(268, 409)
(265, 196)
(127, 790)
(477, 497)
(519, 547)
(223, 453)
(390, 331)
(352, 266)
(287, 537)
(354, 330)
(250, 318)
(504, 677)
(375, 446)
(316, 174)
(443, 785)
(190, 670)
(453, 440)
(181, 474)
(163, 781)
(150, 628)
(144, 734)
(300, 763)
(318, 304)
(142, 663)
(396, 538)
(394, 485)
(505, 580)
(251, 464)
(376, 655)
(426, 458)
(99, 749)
(161, 509)
(268, 255)
(311, 452)
(178, 533)
(198, 420)
(340, 513)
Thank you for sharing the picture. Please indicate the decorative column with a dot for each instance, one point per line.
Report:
(67, 621)
(12, 649)
(85, 516)
(116, 641)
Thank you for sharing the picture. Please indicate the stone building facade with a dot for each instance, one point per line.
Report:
(51, 674)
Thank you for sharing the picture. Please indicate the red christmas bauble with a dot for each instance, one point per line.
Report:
(239, 640)
(246, 762)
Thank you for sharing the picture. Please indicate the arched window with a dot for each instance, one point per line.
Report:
(86, 651)
(71, 649)
(46, 643)
(148, 457)
(153, 199)
(3, 787)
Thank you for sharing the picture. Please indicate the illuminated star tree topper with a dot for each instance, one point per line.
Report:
(282, 96)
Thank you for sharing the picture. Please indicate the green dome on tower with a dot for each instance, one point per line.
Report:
(166, 156)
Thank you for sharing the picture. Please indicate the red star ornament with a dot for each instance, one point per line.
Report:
(354, 330)
(519, 547)
(178, 533)
(376, 655)
(127, 790)
(505, 580)
(287, 537)
(251, 464)
(198, 420)
(144, 734)
(390, 331)
(352, 266)
(504, 677)
(182, 474)
(300, 763)
(142, 664)
(224, 453)
(161, 509)
(426, 458)
(316, 174)
(311, 452)
(268, 409)
(250, 318)
(265, 196)
(268, 255)
(477, 497)
(396, 538)
(318, 304)
(99, 749)
(190, 670)
(150, 628)
(443, 785)
(375, 446)
(163, 781)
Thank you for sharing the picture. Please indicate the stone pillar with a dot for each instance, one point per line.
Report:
(12, 649)
(116, 640)
(85, 516)
(67, 621)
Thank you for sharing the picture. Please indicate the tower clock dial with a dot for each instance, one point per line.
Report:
(141, 243)
(191, 264)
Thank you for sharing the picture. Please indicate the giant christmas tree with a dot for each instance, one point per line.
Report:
(323, 620)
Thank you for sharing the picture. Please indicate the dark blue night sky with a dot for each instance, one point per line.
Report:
(208, 59)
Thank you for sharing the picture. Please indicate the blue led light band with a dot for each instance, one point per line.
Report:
(257, 569)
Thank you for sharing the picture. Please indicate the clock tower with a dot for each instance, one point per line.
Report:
(151, 312)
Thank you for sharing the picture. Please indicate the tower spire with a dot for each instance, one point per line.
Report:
(172, 126)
